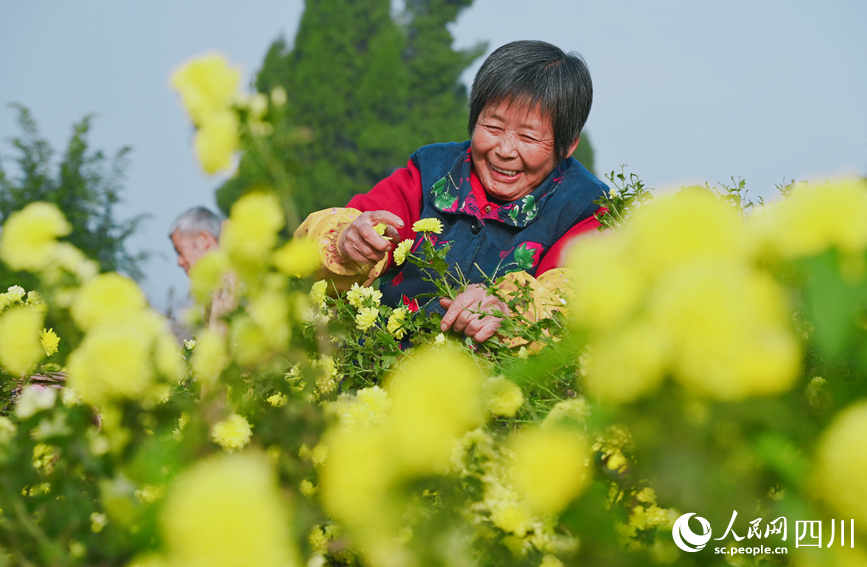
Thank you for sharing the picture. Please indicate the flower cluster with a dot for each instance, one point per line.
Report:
(22, 344)
(678, 292)
(208, 88)
(127, 346)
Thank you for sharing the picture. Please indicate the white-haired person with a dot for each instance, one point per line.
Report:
(194, 233)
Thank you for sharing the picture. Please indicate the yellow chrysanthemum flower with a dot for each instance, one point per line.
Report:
(811, 219)
(601, 267)
(727, 331)
(428, 225)
(15, 293)
(149, 493)
(307, 488)
(299, 257)
(574, 411)
(550, 468)
(270, 311)
(358, 294)
(366, 318)
(217, 141)
(49, 340)
(249, 342)
(317, 293)
(550, 561)
(502, 396)
(691, 225)
(20, 348)
(108, 298)
(227, 511)
(326, 382)
(232, 433)
(841, 459)
(367, 407)
(402, 250)
(436, 398)
(30, 235)
(396, 321)
(114, 361)
(251, 233)
(627, 364)
(278, 400)
(207, 85)
(210, 357)
(380, 228)
(207, 274)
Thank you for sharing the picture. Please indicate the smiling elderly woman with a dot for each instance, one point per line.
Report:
(509, 199)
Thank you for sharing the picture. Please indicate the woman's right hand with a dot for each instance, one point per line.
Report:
(361, 243)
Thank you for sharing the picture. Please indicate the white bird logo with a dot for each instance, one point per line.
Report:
(684, 537)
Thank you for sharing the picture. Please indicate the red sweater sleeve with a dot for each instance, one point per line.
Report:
(553, 258)
(399, 193)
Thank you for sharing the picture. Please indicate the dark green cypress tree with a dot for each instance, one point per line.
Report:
(368, 90)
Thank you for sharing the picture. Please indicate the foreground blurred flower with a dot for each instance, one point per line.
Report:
(227, 511)
(437, 397)
(502, 396)
(298, 257)
(108, 298)
(232, 433)
(217, 141)
(30, 235)
(841, 459)
(35, 399)
(811, 219)
(550, 468)
(367, 407)
(251, 232)
(210, 357)
(679, 295)
(114, 361)
(20, 347)
(207, 85)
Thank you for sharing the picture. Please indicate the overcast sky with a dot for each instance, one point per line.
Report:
(684, 92)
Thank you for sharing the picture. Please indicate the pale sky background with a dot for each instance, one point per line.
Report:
(684, 91)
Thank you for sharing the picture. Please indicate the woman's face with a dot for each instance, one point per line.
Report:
(512, 149)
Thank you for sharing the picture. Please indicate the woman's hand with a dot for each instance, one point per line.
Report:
(470, 313)
(361, 243)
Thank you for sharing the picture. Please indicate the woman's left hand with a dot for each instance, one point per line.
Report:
(470, 313)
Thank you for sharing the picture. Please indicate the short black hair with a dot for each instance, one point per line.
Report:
(537, 73)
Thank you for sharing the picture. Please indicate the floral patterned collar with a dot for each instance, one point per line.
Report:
(455, 193)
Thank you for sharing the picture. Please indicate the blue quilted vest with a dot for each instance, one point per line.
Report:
(487, 243)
